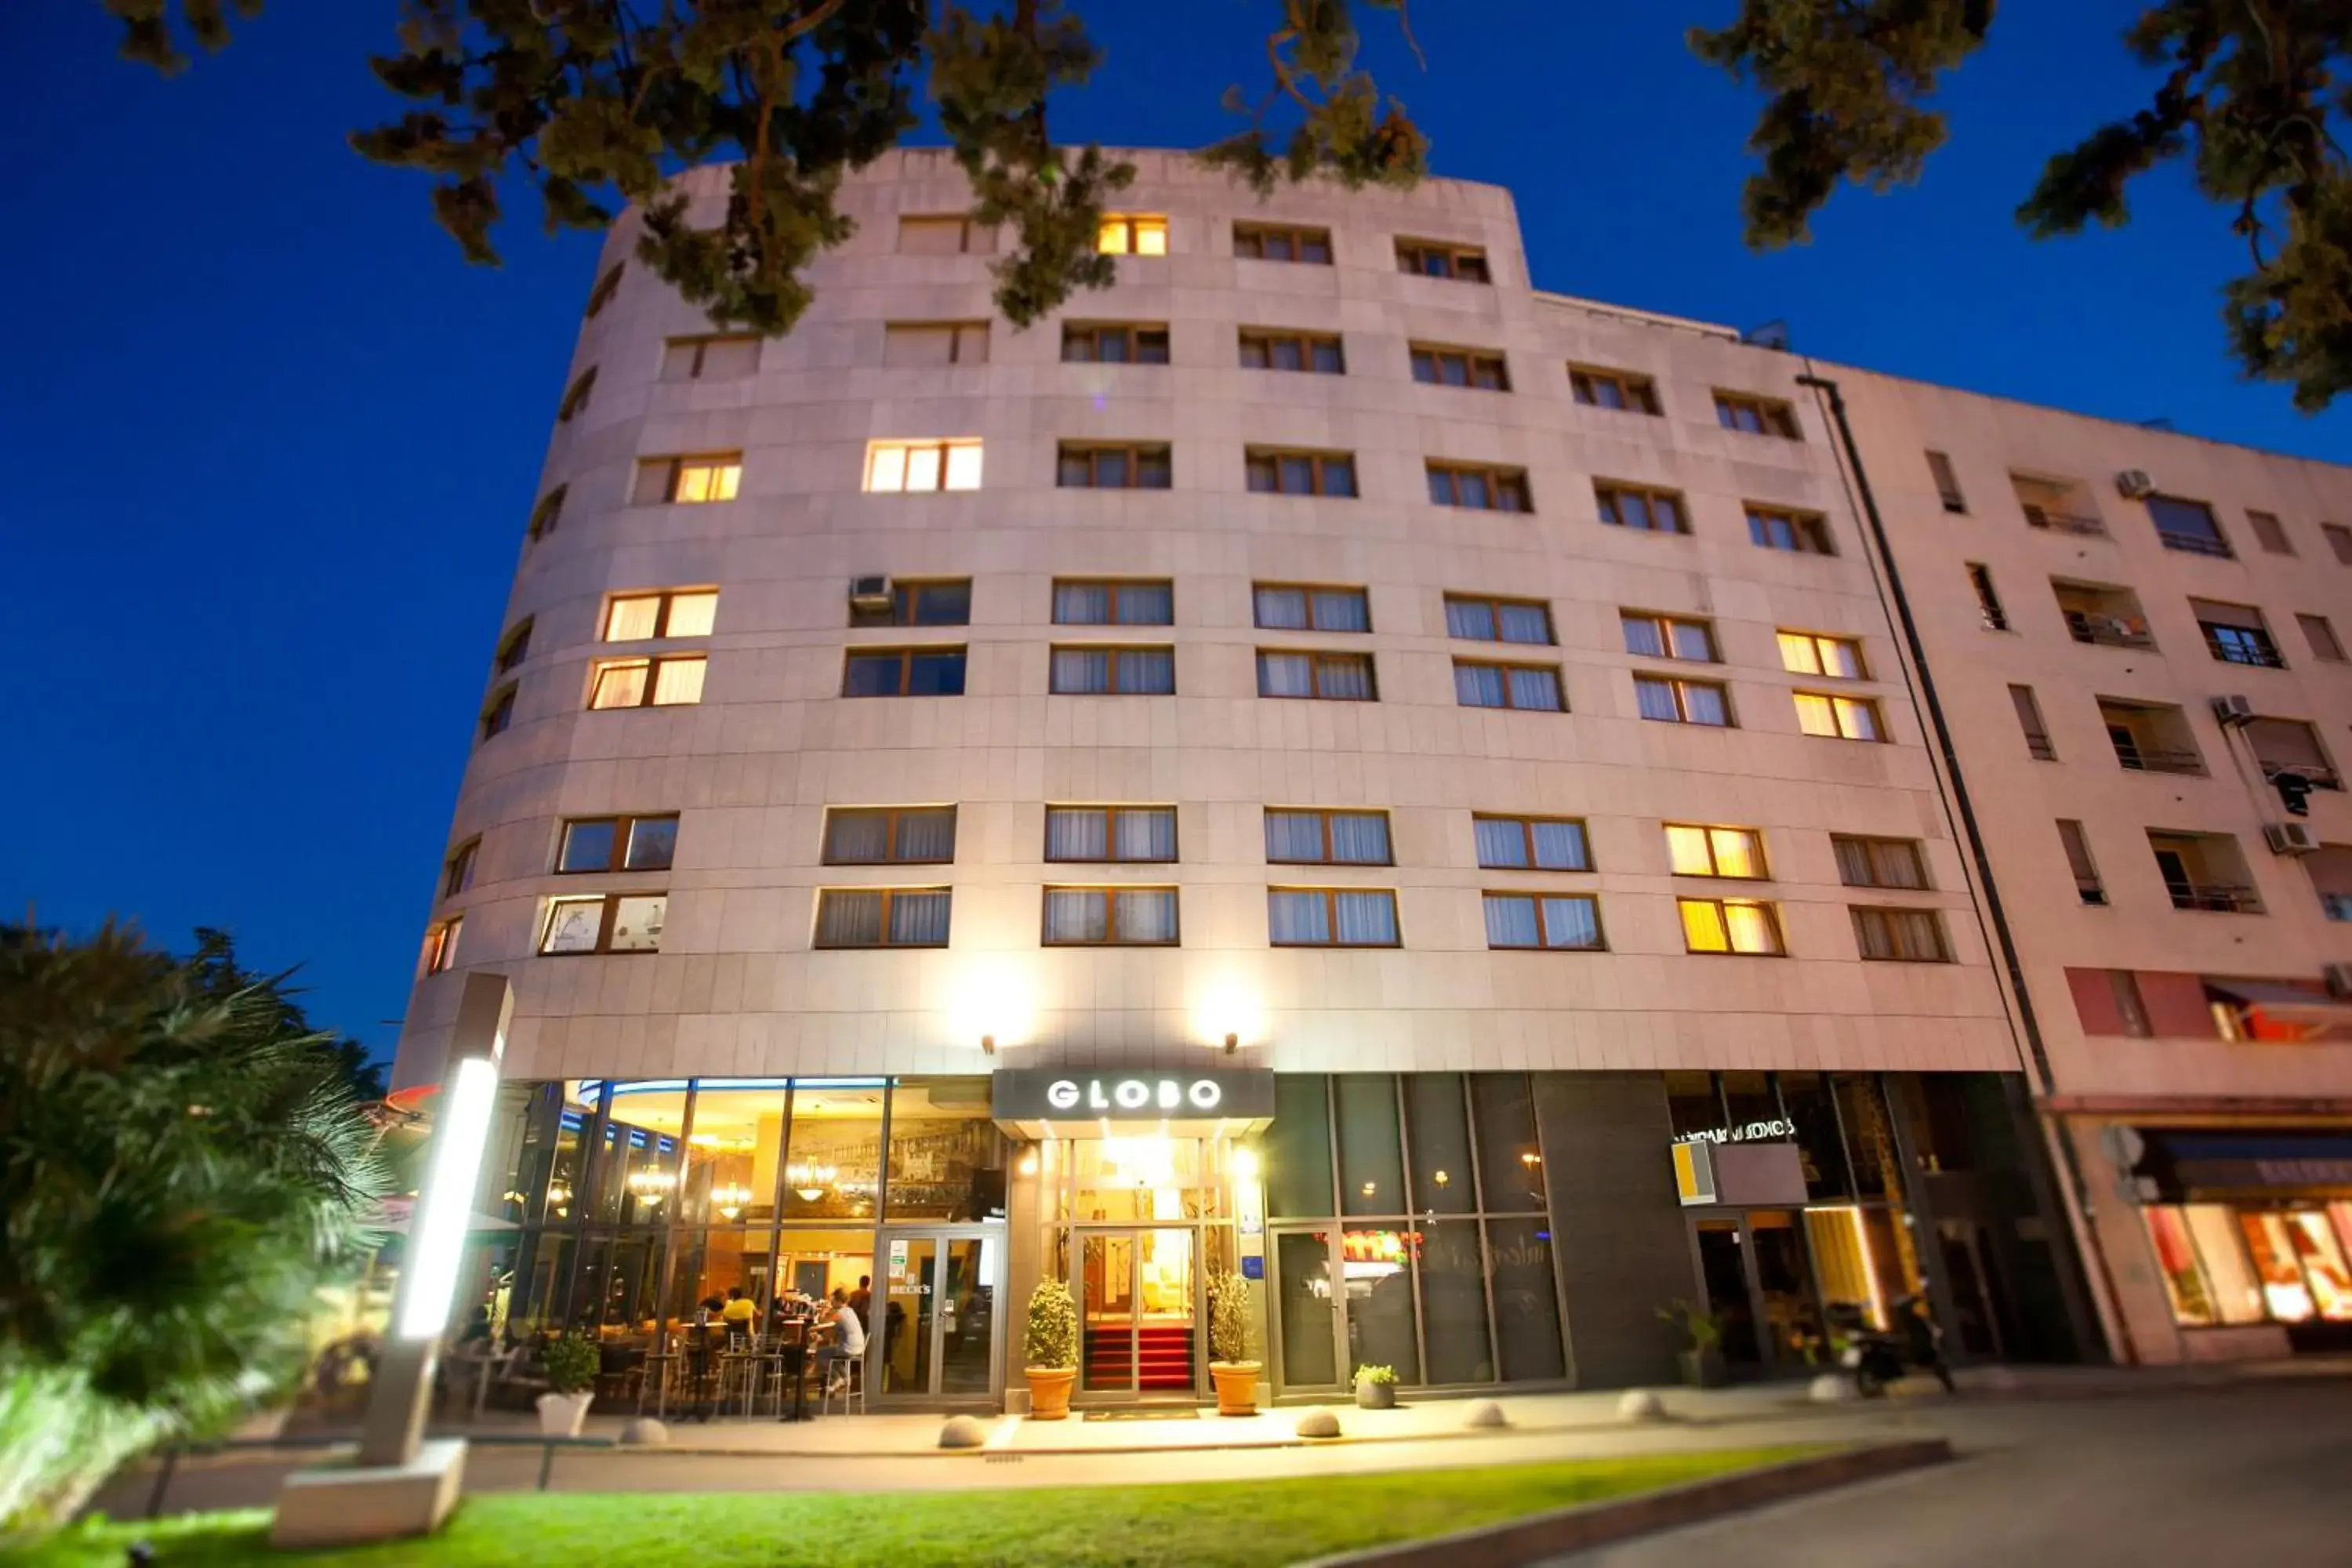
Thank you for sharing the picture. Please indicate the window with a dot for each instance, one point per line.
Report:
(1901, 936)
(617, 844)
(2057, 505)
(605, 923)
(944, 602)
(894, 467)
(2187, 525)
(1277, 242)
(2150, 737)
(1567, 922)
(1111, 601)
(1633, 506)
(2322, 638)
(1534, 686)
(606, 287)
(576, 395)
(2101, 614)
(2269, 533)
(1480, 368)
(1484, 619)
(1294, 608)
(1839, 718)
(458, 870)
(1818, 653)
(1330, 917)
(2076, 843)
(1667, 637)
(681, 613)
(1879, 862)
(2204, 872)
(1114, 342)
(890, 836)
(882, 917)
(2331, 878)
(2236, 634)
(903, 672)
(1803, 532)
(1322, 356)
(1735, 852)
(498, 712)
(1110, 833)
(1730, 925)
(2289, 746)
(1947, 483)
(1124, 467)
(688, 481)
(2339, 540)
(1672, 701)
(441, 945)
(1304, 837)
(1300, 473)
(1437, 259)
(1481, 488)
(1132, 234)
(2131, 1007)
(1614, 389)
(545, 515)
(724, 356)
(513, 648)
(1107, 671)
(1110, 917)
(1530, 844)
(2028, 719)
(1333, 676)
(908, 345)
(1989, 610)
(945, 234)
(647, 682)
(1756, 415)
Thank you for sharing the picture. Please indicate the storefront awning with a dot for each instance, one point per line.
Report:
(2192, 1163)
(2282, 1009)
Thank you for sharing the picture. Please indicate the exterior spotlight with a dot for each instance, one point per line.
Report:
(1233, 1044)
(988, 1045)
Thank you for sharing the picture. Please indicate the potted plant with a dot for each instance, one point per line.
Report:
(1052, 1349)
(570, 1362)
(1376, 1388)
(1702, 1363)
(1235, 1375)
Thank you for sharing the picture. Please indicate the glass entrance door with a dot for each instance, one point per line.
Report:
(937, 1337)
(1308, 1317)
(1138, 1313)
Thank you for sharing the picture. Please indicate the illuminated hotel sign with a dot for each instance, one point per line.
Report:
(1747, 1132)
(1043, 1094)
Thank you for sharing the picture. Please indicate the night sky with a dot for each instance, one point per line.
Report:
(271, 443)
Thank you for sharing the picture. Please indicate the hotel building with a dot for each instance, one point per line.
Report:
(1467, 809)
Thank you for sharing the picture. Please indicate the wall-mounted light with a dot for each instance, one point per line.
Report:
(1027, 1164)
(988, 1045)
(1245, 1164)
(1233, 1044)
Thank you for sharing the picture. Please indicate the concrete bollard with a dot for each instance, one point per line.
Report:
(1832, 1388)
(645, 1432)
(963, 1432)
(1318, 1422)
(1641, 1405)
(1485, 1414)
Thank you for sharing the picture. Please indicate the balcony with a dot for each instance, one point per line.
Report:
(2108, 630)
(2204, 872)
(2219, 897)
(2194, 543)
(2056, 505)
(2054, 522)
(2150, 737)
(2158, 759)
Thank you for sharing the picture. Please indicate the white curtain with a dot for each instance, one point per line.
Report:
(1511, 921)
(1146, 671)
(1477, 686)
(1077, 914)
(1559, 847)
(1657, 699)
(1284, 675)
(1293, 835)
(1571, 922)
(1469, 618)
(1283, 609)
(620, 685)
(1367, 918)
(1858, 720)
(1078, 833)
(1691, 641)
(1297, 918)
(849, 919)
(1360, 838)
(1502, 841)
(677, 681)
(1080, 670)
(1526, 623)
(1146, 604)
(1342, 611)
(1537, 688)
(918, 919)
(1347, 680)
(1705, 704)
(1145, 835)
(927, 835)
(858, 837)
(1147, 914)
(1081, 604)
(1752, 930)
(633, 620)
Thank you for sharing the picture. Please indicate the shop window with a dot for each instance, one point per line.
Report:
(1437, 1123)
(832, 1158)
(1839, 1238)
(1749, 1101)
(1527, 1309)
(1805, 1101)
(1299, 1147)
(1869, 1136)
(946, 1157)
(1692, 1106)
(1560, 922)
(732, 1147)
(640, 1146)
(1510, 1155)
(1453, 1276)
(1372, 1163)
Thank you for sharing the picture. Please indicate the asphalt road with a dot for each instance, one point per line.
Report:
(2257, 1477)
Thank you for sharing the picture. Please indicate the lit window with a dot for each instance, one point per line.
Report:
(892, 836)
(1330, 917)
(683, 613)
(1437, 259)
(1730, 925)
(1480, 488)
(1567, 922)
(1113, 467)
(726, 356)
(1332, 677)
(1110, 917)
(1300, 837)
(1280, 607)
(1110, 833)
(1531, 844)
(441, 944)
(945, 603)
(616, 922)
(883, 917)
(617, 844)
(1838, 718)
(1905, 936)
(1810, 653)
(688, 481)
(1300, 473)
(1132, 234)
(647, 682)
(1113, 602)
(1756, 415)
(1276, 242)
(1114, 342)
(903, 672)
(911, 466)
(1667, 637)
(1673, 701)
(1643, 510)
(1533, 686)
(1108, 671)
(1480, 368)
(1801, 532)
(1482, 619)
(1614, 389)
(1737, 852)
(1319, 355)
(458, 870)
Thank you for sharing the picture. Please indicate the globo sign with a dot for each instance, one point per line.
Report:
(1106, 1094)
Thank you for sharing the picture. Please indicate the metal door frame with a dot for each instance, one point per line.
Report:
(1334, 1273)
(1135, 1393)
(940, 1235)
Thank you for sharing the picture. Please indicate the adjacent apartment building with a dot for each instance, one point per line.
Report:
(1477, 814)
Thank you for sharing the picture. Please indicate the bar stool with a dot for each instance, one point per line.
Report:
(852, 1393)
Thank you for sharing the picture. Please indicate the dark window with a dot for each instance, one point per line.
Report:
(606, 287)
(2077, 844)
(1333, 676)
(1114, 342)
(1908, 936)
(1801, 532)
(2029, 718)
(1667, 637)
(1321, 355)
(1113, 602)
(1879, 862)
(1309, 837)
(458, 870)
(617, 844)
(1301, 473)
(1480, 488)
(889, 836)
(1614, 389)
(2187, 525)
(575, 397)
(882, 917)
(498, 712)
(1989, 610)
(1482, 619)
(1530, 844)
(1435, 258)
(513, 648)
(2269, 533)
(1123, 468)
(1286, 607)
(545, 515)
(1534, 686)
(1480, 368)
(2339, 540)
(1107, 671)
(1756, 415)
(904, 672)
(1633, 506)
(1947, 483)
(1276, 242)
(945, 603)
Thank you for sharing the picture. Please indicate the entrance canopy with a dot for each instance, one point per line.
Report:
(1040, 1102)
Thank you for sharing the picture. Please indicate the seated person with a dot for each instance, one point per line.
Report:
(738, 1312)
(848, 1343)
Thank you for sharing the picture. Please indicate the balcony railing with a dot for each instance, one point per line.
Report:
(2218, 896)
(2194, 543)
(2159, 760)
(2313, 773)
(2259, 652)
(2109, 631)
(2061, 521)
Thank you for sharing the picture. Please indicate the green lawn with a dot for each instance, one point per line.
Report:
(1226, 1524)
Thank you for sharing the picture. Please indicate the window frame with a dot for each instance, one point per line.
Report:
(1664, 624)
(1599, 942)
(1815, 640)
(725, 469)
(1092, 335)
(1769, 910)
(1773, 416)
(1134, 452)
(2217, 545)
(946, 447)
(1894, 921)
(1494, 605)
(1114, 585)
(1526, 825)
(1135, 226)
(702, 343)
(1472, 361)
(906, 605)
(665, 608)
(1460, 262)
(1114, 650)
(606, 287)
(1636, 392)
(1807, 530)
(1559, 681)
(2270, 532)
(888, 895)
(1108, 892)
(441, 938)
(890, 815)
(906, 656)
(497, 713)
(1321, 465)
(1111, 814)
(1606, 495)
(939, 221)
(1309, 592)
(1500, 480)
(1324, 814)
(576, 396)
(958, 333)
(654, 664)
(2326, 647)
(457, 867)
(546, 514)
(1871, 846)
(1681, 686)
(1266, 339)
(1839, 703)
(625, 827)
(1317, 658)
(608, 917)
(1298, 235)
(1755, 836)
(2262, 649)
(1332, 917)
(513, 648)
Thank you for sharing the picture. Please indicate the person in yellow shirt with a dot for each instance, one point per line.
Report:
(738, 1312)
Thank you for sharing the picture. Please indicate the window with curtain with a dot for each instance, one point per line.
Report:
(1281, 606)
(1542, 844)
(647, 682)
(1327, 837)
(1756, 415)
(1730, 925)
(915, 465)
(1812, 653)
(1879, 862)
(1715, 852)
(1330, 917)
(1113, 602)
(946, 602)
(1481, 619)
(882, 917)
(903, 672)
(1132, 234)
(1643, 509)
(1114, 342)
(1100, 833)
(1478, 487)
(1112, 917)
(1613, 389)
(1121, 671)
(897, 835)
(686, 481)
(1332, 677)
(1908, 936)
(1682, 702)
(1437, 259)
(1838, 718)
(1315, 353)
(1525, 685)
(1800, 532)
(1122, 467)
(1668, 636)
(1532, 920)
(679, 613)
(1269, 242)
(1300, 473)
(1480, 368)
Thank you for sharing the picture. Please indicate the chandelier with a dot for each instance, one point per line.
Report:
(728, 1198)
(650, 1186)
(809, 1180)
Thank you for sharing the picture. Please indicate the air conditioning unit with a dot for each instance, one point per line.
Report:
(2234, 709)
(869, 592)
(2339, 981)
(2135, 484)
(2290, 838)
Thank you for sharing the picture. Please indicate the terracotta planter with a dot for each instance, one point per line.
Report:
(563, 1415)
(1049, 1392)
(1375, 1395)
(1236, 1384)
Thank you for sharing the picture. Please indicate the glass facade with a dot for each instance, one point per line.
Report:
(2229, 1264)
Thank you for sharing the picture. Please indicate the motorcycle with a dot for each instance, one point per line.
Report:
(1873, 1359)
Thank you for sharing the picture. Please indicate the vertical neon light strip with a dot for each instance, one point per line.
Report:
(438, 1235)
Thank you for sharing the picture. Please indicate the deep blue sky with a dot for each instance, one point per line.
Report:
(270, 443)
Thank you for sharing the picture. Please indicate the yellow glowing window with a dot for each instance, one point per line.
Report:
(1130, 234)
(1803, 653)
(1730, 925)
(1715, 852)
(633, 617)
(707, 481)
(636, 682)
(1838, 718)
(892, 466)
